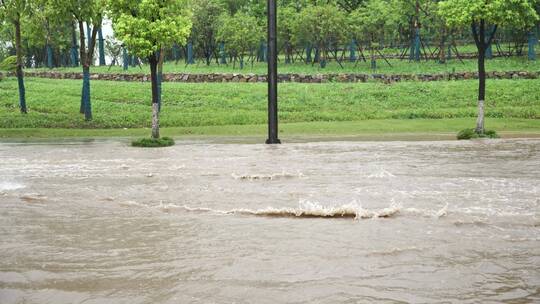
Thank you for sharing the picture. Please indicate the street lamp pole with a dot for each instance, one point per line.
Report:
(272, 73)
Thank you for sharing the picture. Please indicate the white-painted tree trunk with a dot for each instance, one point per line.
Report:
(155, 120)
(480, 119)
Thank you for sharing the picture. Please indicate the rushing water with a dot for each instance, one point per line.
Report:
(327, 222)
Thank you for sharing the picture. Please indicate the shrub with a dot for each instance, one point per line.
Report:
(490, 134)
(471, 133)
(466, 134)
(153, 142)
(9, 64)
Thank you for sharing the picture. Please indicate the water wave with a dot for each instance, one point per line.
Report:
(305, 209)
(254, 177)
(9, 186)
(33, 197)
(382, 173)
(394, 251)
(428, 213)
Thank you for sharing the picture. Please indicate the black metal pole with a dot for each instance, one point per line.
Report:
(272, 73)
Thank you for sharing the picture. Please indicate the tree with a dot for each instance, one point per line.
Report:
(101, 47)
(323, 25)
(40, 29)
(146, 27)
(438, 28)
(240, 33)
(411, 22)
(233, 6)
(350, 5)
(113, 49)
(47, 28)
(205, 26)
(484, 17)
(287, 17)
(89, 13)
(12, 10)
(371, 22)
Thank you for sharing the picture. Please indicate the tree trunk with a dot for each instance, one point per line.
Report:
(223, 54)
(190, 59)
(19, 71)
(531, 41)
(479, 34)
(86, 105)
(74, 55)
(309, 50)
(82, 56)
(352, 51)
(442, 55)
(481, 45)
(372, 53)
(101, 47)
(88, 37)
(125, 59)
(287, 53)
(481, 91)
(86, 61)
(49, 52)
(160, 74)
(322, 57)
(155, 95)
(415, 46)
(489, 51)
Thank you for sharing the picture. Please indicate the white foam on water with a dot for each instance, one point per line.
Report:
(274, 176)
(305, 209)
(132, 204)
(382, 173)
(394, 251)
(427, 213)
(475, 221)
(492, 211)
(10, 186)
(308, 209)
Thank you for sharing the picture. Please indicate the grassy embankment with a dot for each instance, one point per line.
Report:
(240, 109)
(398, 67)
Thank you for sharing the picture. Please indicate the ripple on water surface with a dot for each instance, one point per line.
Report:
(330, 222)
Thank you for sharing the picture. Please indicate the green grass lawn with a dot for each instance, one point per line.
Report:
(387, 129)
(55, 104)
(398, 67)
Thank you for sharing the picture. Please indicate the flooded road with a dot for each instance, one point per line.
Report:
(327, 222)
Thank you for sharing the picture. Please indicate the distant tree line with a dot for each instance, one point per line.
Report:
(233, 31)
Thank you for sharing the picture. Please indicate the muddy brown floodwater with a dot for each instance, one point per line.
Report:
(326, 222)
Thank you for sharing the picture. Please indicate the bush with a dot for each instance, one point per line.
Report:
(153, 142)
(9, 64)
(490, 134)
(466, 134)
(471, 133)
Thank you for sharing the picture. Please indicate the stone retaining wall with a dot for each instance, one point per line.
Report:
(316, 78)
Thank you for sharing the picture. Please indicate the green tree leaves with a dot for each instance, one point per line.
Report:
(146, 26)
(515, 13)
(240, 32)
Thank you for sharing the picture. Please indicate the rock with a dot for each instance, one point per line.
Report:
(292, 77)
